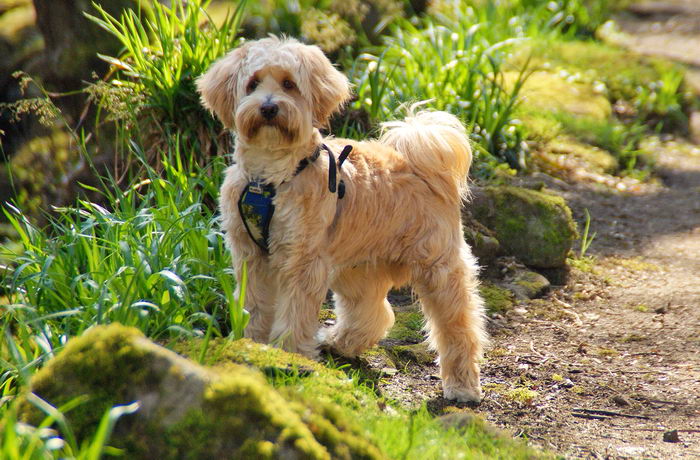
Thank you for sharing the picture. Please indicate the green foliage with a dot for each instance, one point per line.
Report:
(154, 258)
(622, 140)
(454, 67)
(21, 441)
(165, 50)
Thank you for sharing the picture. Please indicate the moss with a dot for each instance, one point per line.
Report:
(326, 314)
(609, 352)
(522, 395)
(229, 411)
(496, 352)
(583, 264)
(244, 417)
(621, 75)
(594, 159)
(496, 299)
(636, 264)
(94, 364)
(549, 91)
(536, 227)
(408, 327)
(418, 353)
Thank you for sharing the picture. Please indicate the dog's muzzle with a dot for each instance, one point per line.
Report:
(269, 110)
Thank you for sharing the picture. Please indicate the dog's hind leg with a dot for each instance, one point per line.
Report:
(454, 310)
(362, 311)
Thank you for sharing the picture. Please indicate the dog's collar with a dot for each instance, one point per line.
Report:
(256, 206)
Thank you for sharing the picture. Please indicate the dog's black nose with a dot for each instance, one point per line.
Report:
(269, 110)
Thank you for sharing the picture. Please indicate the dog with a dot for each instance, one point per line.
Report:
(388, 216)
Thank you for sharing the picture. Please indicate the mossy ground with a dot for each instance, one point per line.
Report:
(408, 326)
(496, 299)
(397, 433)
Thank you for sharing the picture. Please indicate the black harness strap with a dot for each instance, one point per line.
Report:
(334, 169)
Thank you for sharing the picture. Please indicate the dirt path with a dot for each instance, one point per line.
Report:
(624, 338)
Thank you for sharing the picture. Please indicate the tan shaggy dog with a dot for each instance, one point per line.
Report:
(398, 223)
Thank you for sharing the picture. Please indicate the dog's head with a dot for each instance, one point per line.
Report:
(273, 91)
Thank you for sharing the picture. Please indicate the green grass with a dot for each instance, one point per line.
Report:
(153, 258)
(151, 93)
(454, 67)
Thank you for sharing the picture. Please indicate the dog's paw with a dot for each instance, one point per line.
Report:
(462, 394)
(341, 342)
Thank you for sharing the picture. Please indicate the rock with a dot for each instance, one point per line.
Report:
(671, 436)
(536, 227)
(185, 410)
(526, 284)
(620, 400)
(483, 244)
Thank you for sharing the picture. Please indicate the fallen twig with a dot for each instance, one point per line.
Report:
(654, 429)
(588, 416)
(610, 413)
(532, 349)
(567, 309)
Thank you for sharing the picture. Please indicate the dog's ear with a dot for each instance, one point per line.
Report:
(329, 88)
(218, 85)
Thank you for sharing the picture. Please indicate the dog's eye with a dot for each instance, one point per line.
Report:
(288, 84)
(252, 84)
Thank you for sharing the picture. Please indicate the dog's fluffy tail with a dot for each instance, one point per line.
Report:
(437, 145)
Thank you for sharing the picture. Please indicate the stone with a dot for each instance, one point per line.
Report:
(671, 436)
(526, 284)
(536, 227)
(418, 353)
(186, 410)
(481, 240)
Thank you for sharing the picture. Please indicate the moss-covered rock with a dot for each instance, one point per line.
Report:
(595, 159)
(481, 240)
(188, 411)
(417, 353)
(536, 227)
(526, 284)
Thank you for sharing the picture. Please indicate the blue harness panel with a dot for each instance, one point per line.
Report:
(256, 209)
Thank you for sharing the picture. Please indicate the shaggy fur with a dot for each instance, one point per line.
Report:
(398, 223)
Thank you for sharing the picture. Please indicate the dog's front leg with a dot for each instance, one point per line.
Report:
(260, 295)
(302, 289)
